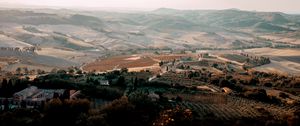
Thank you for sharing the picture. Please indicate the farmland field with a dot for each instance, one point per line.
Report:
(273, 52)
(283, 67)
(235, 57)
(235, 108)
(8, 59)
(132, 62)
(120, 62)
(285, 61)
(1, 65)
(4, 61)
(295, 59)
(169, 57)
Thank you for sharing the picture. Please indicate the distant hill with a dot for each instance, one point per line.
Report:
(269, 27)
(102, 30)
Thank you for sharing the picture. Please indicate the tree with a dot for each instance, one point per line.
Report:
(66, 94)
(215, 65)
(61, 72)
(245, 67)
(79, 72)
(121, 81)
(135, 83)
(124, 70)
(247, 60)
(161, 63)
(283, 95)
(20, 85)
(54, 112)
(96, 82)
(254, 81)
(6, 104)
(259, 94)
(54, 70)
(190, 75)
(4, 82)
(10, 86)
(88, 80)
(121, 110)
(174, 117)
(268, 84)
(32, 71)
(71, 71)
(224, 83)
(173, 62)
(26, 71)
(18, 70)
(3, 88)
(39, 71)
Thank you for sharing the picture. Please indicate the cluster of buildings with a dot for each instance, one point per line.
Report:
(32, 93)
(33, 96)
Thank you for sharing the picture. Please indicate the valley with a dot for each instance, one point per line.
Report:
(80, 37)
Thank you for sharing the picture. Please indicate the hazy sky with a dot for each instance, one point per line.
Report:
(259, 5)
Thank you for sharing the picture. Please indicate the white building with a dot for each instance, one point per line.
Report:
(27, 92)
(104, 82)
(32, 93)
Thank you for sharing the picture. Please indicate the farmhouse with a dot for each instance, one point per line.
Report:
(104, 82)
(32, 93)
(203, 55)
(27, 92)
(33, 97)
(165, 51)
(153, 97)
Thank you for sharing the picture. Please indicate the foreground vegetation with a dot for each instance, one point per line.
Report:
(133, 100)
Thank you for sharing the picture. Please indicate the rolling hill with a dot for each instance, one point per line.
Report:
(88, 30)
(70, 37)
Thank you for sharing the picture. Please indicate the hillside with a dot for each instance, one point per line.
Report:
(161, 28)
